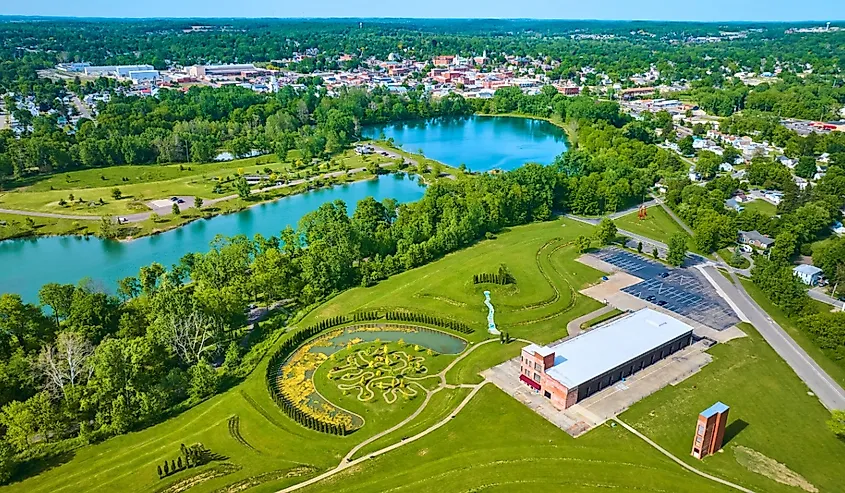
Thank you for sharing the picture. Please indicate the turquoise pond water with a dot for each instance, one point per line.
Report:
(482, 143)
(27, 264)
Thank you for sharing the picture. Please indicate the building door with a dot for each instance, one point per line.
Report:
(547, 394)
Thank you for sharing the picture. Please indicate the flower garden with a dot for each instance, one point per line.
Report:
(360, 363)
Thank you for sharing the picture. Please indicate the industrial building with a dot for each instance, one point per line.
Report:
(115, 70)
(710, 430)
(232, 70)
(577, 368)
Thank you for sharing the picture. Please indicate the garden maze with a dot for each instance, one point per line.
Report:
(378, 371)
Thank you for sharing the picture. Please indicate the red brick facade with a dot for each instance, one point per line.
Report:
(533, 365)
(710, 431)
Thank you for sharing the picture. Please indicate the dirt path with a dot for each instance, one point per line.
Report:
(347, 464)
(679, 461)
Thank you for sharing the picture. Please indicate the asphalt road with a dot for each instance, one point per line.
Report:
(830, 393)
(819, 295)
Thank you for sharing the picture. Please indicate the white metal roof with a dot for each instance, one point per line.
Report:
(809, 270)
(584, 357)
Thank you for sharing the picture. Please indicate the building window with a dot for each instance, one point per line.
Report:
(700, 429)
(537, 366)
(536, 377)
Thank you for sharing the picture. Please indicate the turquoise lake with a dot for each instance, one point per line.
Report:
(27, 264)
(482, 143)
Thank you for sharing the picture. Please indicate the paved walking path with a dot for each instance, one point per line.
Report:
(49, 214)
(574, 326)
(143, 216)
(347, 461)
(679, 461)
(674, 216)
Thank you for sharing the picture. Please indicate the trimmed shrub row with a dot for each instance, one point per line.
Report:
(485, 277)
(428, 319)
(275, 365)
(297, 338)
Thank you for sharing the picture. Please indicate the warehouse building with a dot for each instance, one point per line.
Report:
(577, 368)
(230, 70)
(115, 70)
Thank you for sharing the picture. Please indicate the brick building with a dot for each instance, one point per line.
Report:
(577, 368)
(710, 430)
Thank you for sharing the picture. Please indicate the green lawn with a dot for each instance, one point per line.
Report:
(834, 367)
(495, 443)
(770, 412)
(17, 226)
(83, 190)
(727, 255)
(537, 307)
(442, 403)
(601, 318)
(541, 258)
(658, 225)
(487, 356)
(761, 206)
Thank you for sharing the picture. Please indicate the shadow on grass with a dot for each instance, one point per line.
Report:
(42, 464)
(734, 429)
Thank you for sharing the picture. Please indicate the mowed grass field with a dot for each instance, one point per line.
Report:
(142, 183)
(495, 443)
(761, 206)
(542, 259)
(825, 358)
(276, 444)
(771, 412)
(657, 225)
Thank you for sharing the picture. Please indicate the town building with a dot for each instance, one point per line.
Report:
(577, 368)
(231, 70)
(115, 70)
(755, 239)
(710, 430)
(809, 274)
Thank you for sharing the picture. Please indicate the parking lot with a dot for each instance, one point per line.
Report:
(683, 291)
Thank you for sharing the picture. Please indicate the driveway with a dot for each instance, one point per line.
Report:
(830, 393)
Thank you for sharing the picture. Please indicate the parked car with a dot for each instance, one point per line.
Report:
(664, 275)
(661, 302)
(651, 298)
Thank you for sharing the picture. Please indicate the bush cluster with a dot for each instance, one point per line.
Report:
(195, 455)
(501, 277)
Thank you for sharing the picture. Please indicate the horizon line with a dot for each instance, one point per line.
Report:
(393, 18)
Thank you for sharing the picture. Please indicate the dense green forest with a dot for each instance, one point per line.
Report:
(193, 126)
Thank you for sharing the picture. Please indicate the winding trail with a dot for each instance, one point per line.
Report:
(574, 326)
(679, 461)
(143, 216)
(347, 461)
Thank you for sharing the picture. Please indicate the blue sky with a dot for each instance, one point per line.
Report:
(695, 10)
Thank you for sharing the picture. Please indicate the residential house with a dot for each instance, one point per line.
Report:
(755, 239)
(809, 274)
